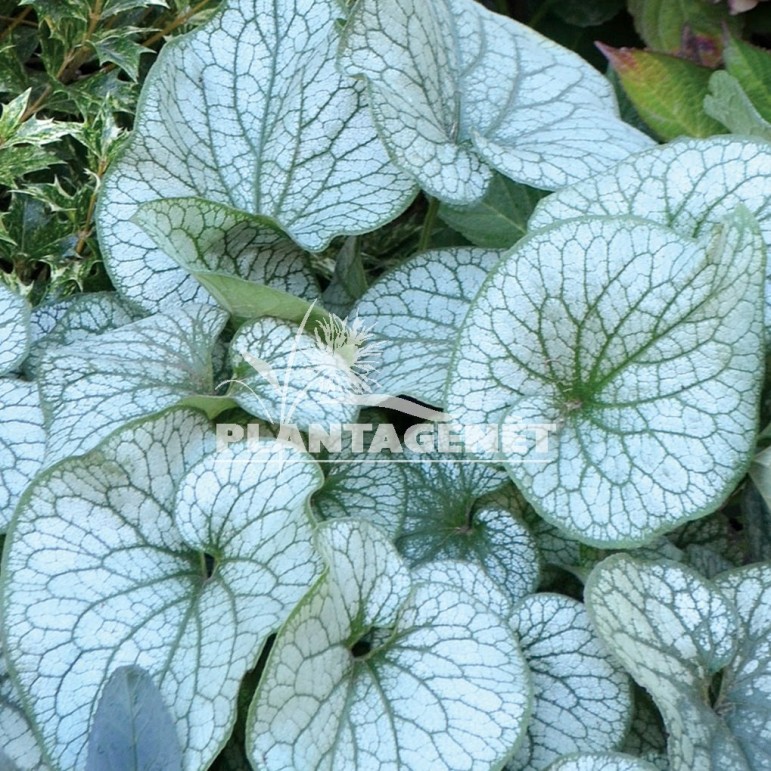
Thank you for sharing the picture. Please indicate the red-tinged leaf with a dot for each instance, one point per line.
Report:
(667, 92)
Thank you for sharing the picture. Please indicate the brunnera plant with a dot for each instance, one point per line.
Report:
(198, 572)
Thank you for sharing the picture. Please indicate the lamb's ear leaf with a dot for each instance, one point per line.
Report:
(21, 751)
(361, 675)
(601, 761)
(248, 267)
(588, 330)
(22, 442)
(745, 694)
(447, 116)
(249, 111)
(94, 386)
(173, 558)
(690, 185)
(414, 311)
(728, 103)
(499, 220)
(672, 630)
(132, 729)
(73, 319)
(582, 697)
(14, 330)
(308, 385)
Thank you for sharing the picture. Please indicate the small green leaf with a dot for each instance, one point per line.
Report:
(97, 384)
(109, 567)
(132, 729)
(377, 669)
(250, 112)
(14, 330)
(448, 117)
(415, 310)
(499, 220)
(728, 103)
(667, 92)
(751, 66)
(611, 333)
(582, 697)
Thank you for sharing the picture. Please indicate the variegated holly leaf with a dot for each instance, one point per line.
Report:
(288, 376)
(94, 386)
(744, 700)
(672, 630)
(217, 244)
(22, 442)
(433, 70)
(582, 697)
(153, 550)
(377, 669)
(249, 111)
(14, 330)
(638, 353)
(415, 310)
(689, 185)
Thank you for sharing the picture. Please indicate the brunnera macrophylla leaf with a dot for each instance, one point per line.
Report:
(582, 698)
(286, 375)
(73, 319)
(154, 551)
(646, 738)
(415, 310)
(22, 442)
(209, 239)
(364, 489)
(14, 330)
(17, 739)
(457, 91)
(744, 700)
(379, 669)
(640, 350)
(97, 384)
(475, 582)
(456, 508)
(132, 730)
(600, 761)
(249, 111)
(672, 630)
(689, 185)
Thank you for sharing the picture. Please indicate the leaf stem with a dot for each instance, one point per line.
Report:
(539, 14)
(428, 223)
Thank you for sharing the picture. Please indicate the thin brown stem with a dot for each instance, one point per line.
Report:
(178, 22)
(16, 21)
